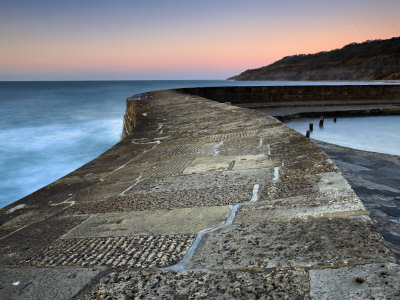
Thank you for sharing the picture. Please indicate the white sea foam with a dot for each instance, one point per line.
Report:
(36, 156)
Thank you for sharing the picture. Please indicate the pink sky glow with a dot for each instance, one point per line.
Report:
(177, 39)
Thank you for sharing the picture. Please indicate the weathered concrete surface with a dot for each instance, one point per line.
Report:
(356, 282)
(155, 222)
(375, 177)
(57, 283)
(183, 169)
(226, 284)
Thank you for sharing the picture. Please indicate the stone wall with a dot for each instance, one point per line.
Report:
(249, 94)
(129, 118)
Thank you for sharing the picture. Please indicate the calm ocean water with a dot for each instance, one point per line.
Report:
(48, 129)
(376, 133)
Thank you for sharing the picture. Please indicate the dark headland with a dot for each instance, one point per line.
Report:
(371, 60)
(203, 200)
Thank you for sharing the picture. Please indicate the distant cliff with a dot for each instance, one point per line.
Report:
(371, 60)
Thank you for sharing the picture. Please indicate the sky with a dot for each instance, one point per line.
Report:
(177, 39)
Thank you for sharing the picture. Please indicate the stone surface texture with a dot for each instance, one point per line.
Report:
(200, 200)
(375, 177)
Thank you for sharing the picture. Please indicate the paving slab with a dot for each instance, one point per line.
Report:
(300, 207)
(166, 150)
(44, 283)
(203, 181)
(200, 149)
(293, 243)
(155, 284)
(330, 185)
(229, 136)
(328, 195)
(171, 166)
(252, 145)
(300, 156)
(29, 240)
(178, 199)
(209, 164)
(104, 189)
(248, 162)
(372, 281)
(174, 221)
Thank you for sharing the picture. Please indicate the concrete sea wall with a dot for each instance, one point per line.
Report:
(200, 200)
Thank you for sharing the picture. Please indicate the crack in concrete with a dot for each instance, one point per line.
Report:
(215, 149)
(182, 264)
(137, 180)
(276, 174)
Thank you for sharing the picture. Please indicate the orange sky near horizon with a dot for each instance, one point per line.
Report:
(183, 41)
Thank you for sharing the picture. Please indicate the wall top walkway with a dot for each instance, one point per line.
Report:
(200, 200)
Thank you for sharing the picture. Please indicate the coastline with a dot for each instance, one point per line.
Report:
(59, 138)
(189, 164)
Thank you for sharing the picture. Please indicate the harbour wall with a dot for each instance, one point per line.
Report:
(288, 102)
(249, 94)
(200, 199)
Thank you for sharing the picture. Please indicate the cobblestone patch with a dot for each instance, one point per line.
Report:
(153, 284)
(229, 136)
(178, 199)
(139, 251)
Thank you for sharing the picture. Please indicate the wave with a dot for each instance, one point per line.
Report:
(34, 156)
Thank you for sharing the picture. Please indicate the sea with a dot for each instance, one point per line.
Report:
(48, 129)
(373, 133)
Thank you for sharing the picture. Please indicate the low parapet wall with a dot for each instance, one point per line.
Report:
(249, 94)
(286, 102)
